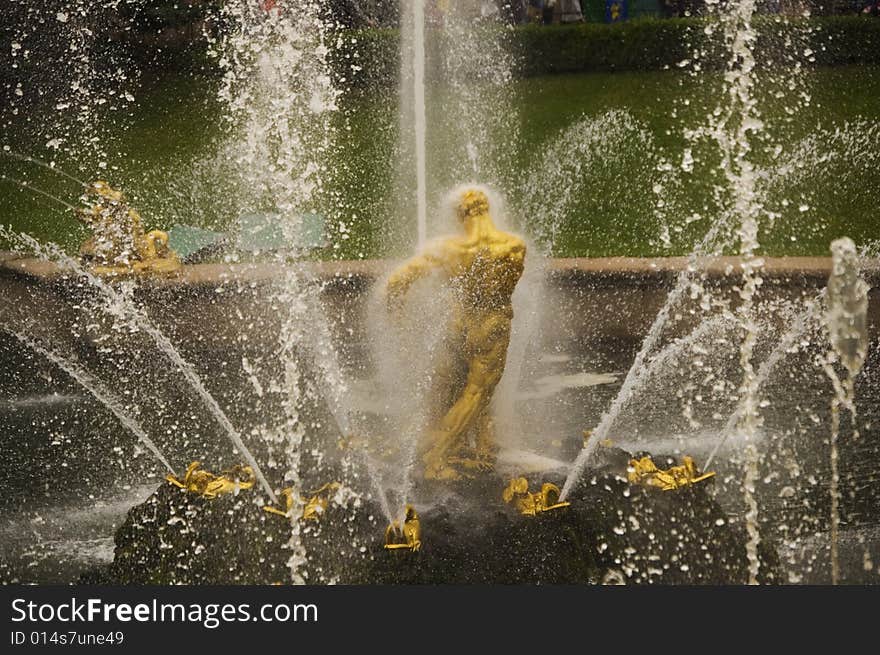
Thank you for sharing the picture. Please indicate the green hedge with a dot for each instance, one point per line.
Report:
(370, 57)
(846, 40)
(642, 44)
(633, 45)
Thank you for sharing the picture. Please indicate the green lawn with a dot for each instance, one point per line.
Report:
(579, 159)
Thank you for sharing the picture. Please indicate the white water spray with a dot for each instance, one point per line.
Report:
(280, 96)
(799, 326)
(638, 368)
(100, 392)
(121, 306)
(732, 133)
(419, 120)
(847, 325)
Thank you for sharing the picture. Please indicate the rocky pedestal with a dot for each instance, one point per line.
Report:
(613, 531)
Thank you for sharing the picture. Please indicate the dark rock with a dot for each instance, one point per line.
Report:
(613, 531)
(649, 536)
(176, 537)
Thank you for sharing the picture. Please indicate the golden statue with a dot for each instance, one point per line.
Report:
(482, 267)
(528, 503)
(645, 472)
(409, 537)
(314, 506)
(208, 485)
(119, 244)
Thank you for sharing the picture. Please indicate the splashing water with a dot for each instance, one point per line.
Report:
(656, 365)
(638, 367)
(846, 322)
(478, 67)
(99, 391)
(120, 305)
(799, 326)
(278, 92)
(279, 95)
(90, 85)
(571, 161)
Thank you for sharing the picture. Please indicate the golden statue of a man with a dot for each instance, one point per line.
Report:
(482, 267)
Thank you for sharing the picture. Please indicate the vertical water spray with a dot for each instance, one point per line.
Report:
(279, 93)
(477, 68)
(453, 58)
(413, 116)
(732, 130)
(419, 122)
(847, 325)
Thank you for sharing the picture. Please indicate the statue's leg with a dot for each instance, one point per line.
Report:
(483, 375)
(496, 333)
(448, 379)
(486, 445)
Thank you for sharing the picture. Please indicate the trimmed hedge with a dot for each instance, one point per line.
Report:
(634, 45)
(846, 40)
(643, 44)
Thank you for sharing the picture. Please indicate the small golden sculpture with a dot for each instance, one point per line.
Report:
(643, 471)
(407, 538)
(198, 481)
(482, 267)
(313, 507)
(605, 443)
(531, 504)
(119, 245)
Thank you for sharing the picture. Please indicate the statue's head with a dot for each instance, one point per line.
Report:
(472, 202)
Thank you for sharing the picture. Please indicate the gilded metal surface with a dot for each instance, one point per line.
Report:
(318, 501)
(198, 481)
(409, 537)
(286, 497)
(605, 443)
(531, 504)
(313, 506)
(482, 267)
(643, 471)
(119, 245)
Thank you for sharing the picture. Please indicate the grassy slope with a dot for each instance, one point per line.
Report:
(154, 154)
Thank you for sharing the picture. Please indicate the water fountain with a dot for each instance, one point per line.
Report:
(846, 321)
(296, 419)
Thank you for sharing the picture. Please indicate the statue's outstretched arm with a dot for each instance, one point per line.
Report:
(407, 273)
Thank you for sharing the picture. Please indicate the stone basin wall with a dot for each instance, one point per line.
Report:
(582, 300)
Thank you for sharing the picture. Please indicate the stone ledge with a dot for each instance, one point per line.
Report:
(365, 271)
